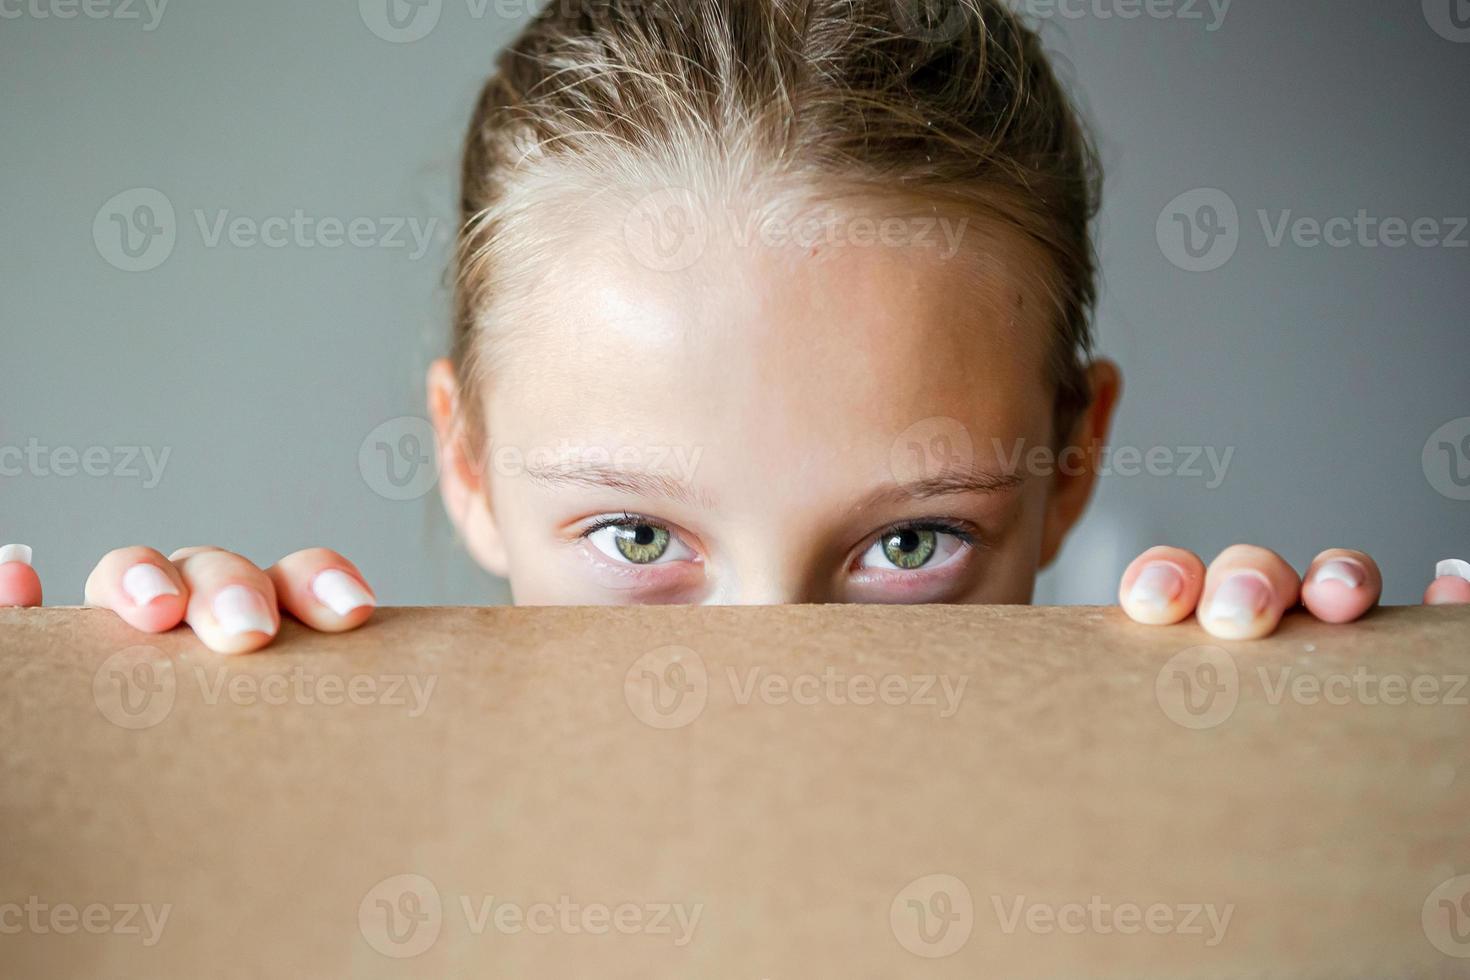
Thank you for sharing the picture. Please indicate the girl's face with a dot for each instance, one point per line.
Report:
(772, 424)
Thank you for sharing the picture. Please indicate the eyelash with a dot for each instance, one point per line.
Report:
(622, 520)
(964, 532)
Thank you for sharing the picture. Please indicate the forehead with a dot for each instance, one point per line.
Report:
(798, 353)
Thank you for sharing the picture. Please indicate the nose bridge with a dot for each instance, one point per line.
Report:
(766, 592)
(774, 541)
(774, 571)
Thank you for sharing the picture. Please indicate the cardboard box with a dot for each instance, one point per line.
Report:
(780, 792)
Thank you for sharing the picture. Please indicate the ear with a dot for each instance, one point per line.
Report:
(1077, 461)
(462, 481)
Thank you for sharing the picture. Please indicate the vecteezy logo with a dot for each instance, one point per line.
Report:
(135, 688)
(931, 21)
(1446, 917)
(667, 230)
(1199, 230)
(135, 230)
(400, 21)
(397, 458)
(667, 687)
(931, 449)
(1446, 459)
(1450, 19)
(1198, 688)
(932, 916)
(401, 916)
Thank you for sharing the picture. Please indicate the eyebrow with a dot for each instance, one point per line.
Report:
(950, 484)
(657, 485)
(612, 478)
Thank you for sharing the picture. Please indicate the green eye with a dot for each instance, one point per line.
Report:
(910, 548)
(641, 543)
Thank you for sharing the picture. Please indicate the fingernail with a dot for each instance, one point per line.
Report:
(1156, 586)
(15, 552)
(241, 610)
(1344, 570)
(1241, 598)
(340, 592)
(144, 582)
(1452, 567)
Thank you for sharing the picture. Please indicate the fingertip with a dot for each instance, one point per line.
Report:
(341, 592)
(1247, 591)
(1336, 603)
(1155, 594)
(19, 583)
(150, 594)
(1244, 605)
(1341, 586)
(1161, 586)
(1447, 590)
(240, 619)
(347, 602)
(323, 590)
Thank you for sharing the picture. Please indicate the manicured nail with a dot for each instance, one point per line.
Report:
(15, 552)
(144, 582)
(340, 592)
(1241, 598)
(1344, 570)
(1156, 586)
(1452, 567)
(241, 610)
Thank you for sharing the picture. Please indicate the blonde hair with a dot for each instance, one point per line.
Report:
(949, 100)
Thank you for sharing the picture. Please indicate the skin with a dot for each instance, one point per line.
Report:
(780, 412)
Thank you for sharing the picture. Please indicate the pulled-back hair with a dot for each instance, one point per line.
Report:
(951, 101)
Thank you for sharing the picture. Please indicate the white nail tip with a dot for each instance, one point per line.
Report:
(340, 592)
(1340, 570)
(241, 610)
(1453, 568)
(1228, 612)
(144, 582)
(15, 552)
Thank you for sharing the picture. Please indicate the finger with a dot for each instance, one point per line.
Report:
(19, 583)
(323, 590)
(1341, 585)
(232, 604)
(1451, 585)
(141, 586)
(1247, 589)
(1161, 586)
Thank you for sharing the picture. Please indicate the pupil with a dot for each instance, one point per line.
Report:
(643, 535)
(908, 540)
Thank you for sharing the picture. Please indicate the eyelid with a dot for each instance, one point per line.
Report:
(960, 529)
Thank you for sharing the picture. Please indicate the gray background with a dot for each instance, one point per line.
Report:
(262, 371)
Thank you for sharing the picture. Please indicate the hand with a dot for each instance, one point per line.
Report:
(1247, 590)
(233, 606)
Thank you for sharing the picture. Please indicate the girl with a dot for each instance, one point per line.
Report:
(764, 301)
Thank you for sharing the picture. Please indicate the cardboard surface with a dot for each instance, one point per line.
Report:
(694, 792)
